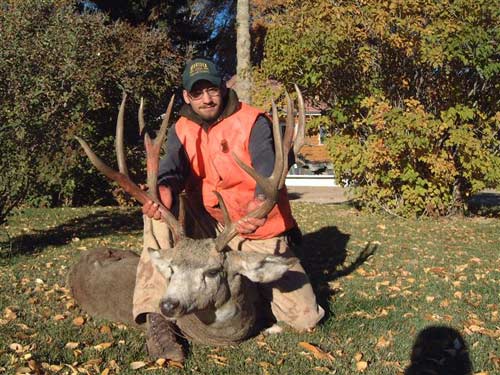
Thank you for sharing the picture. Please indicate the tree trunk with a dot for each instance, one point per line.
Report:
(243, 66)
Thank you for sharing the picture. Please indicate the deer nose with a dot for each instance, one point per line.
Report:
(167, 306)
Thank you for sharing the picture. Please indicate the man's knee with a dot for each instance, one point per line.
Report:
(309, 318)
(299, 318)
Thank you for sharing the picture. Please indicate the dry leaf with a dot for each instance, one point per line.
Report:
(105, 330)
(461, 268)
(103, 345)
(23, 370)
(55, 368)
(18, 348)
(322, 369)
(105, 371)
(358, 356)
(59, 317)
(175, 364)
(316, 352)
(361, 366)
(79, 321)
(382, 343)
(444, 303)
(72, 345)
(160, 361)
(137, 365)
(217, 357)
(9, 314)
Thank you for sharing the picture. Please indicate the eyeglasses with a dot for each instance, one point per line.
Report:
(198, 94)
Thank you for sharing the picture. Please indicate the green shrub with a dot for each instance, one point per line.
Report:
(410, 162)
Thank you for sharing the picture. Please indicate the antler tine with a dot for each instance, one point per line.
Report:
(120, 152)
(140, 117)
(288, 138)
(153, 147)
(300, 133)
(126, 183)
(270, 185)
(222, 204)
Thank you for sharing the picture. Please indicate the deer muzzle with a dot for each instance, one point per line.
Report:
(171, 308)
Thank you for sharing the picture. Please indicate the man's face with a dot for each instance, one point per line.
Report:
(205, 99)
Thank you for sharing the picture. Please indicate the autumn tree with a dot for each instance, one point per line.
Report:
(62, 73)
(412, 90)
(196, 28)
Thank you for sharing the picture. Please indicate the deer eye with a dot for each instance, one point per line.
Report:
(212, 272)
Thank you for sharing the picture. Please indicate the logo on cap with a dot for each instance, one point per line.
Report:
(199, 67)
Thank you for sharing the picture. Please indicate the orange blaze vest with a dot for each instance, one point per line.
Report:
(214, 169)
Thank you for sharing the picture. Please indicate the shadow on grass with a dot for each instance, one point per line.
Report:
(323, 255)
(94, 225)
(439, 350)
(485, 204)
(294, 196)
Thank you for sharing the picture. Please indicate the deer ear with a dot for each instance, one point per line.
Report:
(160, 261)
(260, 268)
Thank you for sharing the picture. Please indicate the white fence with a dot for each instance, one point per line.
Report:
(311, 180)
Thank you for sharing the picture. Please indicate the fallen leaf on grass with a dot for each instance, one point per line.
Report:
(105, 330)
(59, 317)
(18, 348)
(137, 365)
(217, 357)
(103, 345)
(361, 366)
(175, 364)
(79, 321)
(382, 343)
(495, 359)
(322, 369)
(316, 352)
(23, 370)
(9, 314)
(72, 345)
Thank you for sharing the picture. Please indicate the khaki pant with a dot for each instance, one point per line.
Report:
(292, 298)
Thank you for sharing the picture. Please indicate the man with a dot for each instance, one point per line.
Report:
(212, 125)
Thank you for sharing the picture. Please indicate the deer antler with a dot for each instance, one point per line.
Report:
(274, 183)
(152, 151)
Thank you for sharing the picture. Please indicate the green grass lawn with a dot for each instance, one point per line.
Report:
(382, 281)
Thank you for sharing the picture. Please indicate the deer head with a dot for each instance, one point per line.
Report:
(199, 282)
(202, 274)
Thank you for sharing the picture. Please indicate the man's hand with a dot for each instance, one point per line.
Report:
(150, 209)
(251, 224)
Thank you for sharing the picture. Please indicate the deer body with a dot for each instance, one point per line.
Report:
(210, 295)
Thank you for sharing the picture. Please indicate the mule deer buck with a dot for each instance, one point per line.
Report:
(211, 292)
